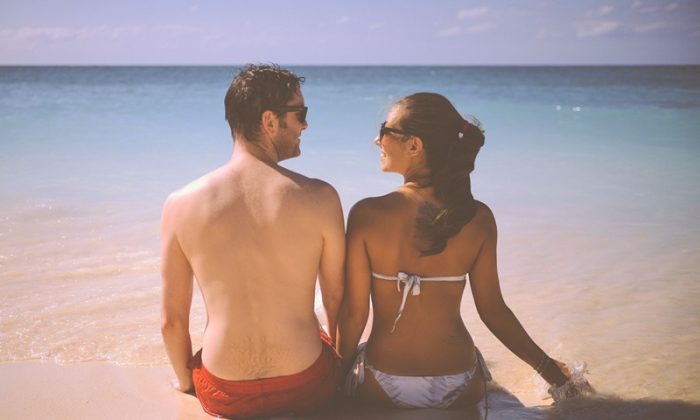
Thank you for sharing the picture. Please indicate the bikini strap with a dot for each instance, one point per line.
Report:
(412, 283)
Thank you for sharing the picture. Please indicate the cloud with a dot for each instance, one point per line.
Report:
(649, 27)
(56, 33)
(481, 27)
(449, 32)
(194, 8)
(458, 30)
(376, 26)
(26, 33)
(601, 11)
(343, 20)
(473, 12)
(593, 28)
(642, 8)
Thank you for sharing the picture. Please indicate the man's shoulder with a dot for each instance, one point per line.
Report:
(188, 190)
(194, 191)
(313, 186)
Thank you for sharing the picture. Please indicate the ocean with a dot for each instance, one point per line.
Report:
(592, 174)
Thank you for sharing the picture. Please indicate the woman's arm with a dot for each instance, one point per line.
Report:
(354, 310)
(495, 313)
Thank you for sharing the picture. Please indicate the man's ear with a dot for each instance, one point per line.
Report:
(269, 123)
(415, 146)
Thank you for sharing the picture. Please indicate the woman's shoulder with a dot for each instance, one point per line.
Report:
(374, 209)
(483, 217)
(381, 203)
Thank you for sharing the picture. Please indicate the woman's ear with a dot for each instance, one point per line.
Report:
(415, 146)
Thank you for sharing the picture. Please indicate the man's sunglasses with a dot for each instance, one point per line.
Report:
(299, 109)
(383, 129)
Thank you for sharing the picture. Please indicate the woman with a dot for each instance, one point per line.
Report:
(424, 239)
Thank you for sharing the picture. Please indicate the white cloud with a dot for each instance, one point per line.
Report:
(481, 27)
(593, 28)
(376, 26)
(654, 8)
(343, 20)
(38, 33)
(27, 33)
(649, 27)
(473, 12)
(601, 11)
(194, 8)
(449, 32)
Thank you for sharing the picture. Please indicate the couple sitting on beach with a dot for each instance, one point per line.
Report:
(257, 236)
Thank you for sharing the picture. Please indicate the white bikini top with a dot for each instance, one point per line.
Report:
(412, 284)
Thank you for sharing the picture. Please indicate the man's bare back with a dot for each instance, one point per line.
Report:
(256, 236)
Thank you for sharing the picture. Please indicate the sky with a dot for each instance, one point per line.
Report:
(357, 32)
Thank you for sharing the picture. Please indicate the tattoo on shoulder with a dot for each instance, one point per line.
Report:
(427, 212)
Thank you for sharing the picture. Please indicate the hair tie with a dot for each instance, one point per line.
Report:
(464, 130)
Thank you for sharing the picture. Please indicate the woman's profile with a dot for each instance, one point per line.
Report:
(411, 252)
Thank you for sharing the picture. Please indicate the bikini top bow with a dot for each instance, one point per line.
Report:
(411, 284)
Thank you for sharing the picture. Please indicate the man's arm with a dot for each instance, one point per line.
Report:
(332, 257)
(354, 311)
(176, 276)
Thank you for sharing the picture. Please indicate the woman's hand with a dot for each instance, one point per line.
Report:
(556, 373)
(575, 385)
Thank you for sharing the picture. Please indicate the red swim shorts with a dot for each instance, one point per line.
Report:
(300, 393)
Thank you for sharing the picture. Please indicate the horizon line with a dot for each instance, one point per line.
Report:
(344, 65)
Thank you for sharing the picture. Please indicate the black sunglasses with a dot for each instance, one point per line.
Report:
(383, 129)
(301, 111)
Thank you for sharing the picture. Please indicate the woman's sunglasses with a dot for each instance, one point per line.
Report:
(300, 110)
(383, 129)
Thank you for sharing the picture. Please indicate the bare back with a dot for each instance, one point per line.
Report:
(254, 236)
(431, 323)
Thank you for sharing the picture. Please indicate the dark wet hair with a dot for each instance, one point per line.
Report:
(255, 89)
(451, 144)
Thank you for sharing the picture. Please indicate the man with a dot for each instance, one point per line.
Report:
(256, 236)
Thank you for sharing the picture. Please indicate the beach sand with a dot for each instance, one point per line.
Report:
(106, 391)
(35, 390)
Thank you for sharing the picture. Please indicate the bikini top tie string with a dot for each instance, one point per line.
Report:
(411, 283)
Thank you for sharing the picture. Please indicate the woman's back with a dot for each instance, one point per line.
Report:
(430, 323)
(422, 240)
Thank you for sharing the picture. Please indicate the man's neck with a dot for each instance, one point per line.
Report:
(260, 150)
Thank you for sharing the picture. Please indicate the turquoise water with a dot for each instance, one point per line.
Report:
(591, 171)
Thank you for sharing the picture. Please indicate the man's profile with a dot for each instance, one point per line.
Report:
(255, 236)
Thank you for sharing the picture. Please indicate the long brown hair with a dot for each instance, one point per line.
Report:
(451, 144)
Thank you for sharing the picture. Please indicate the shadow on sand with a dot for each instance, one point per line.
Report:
(602, 407)
(502, 405)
